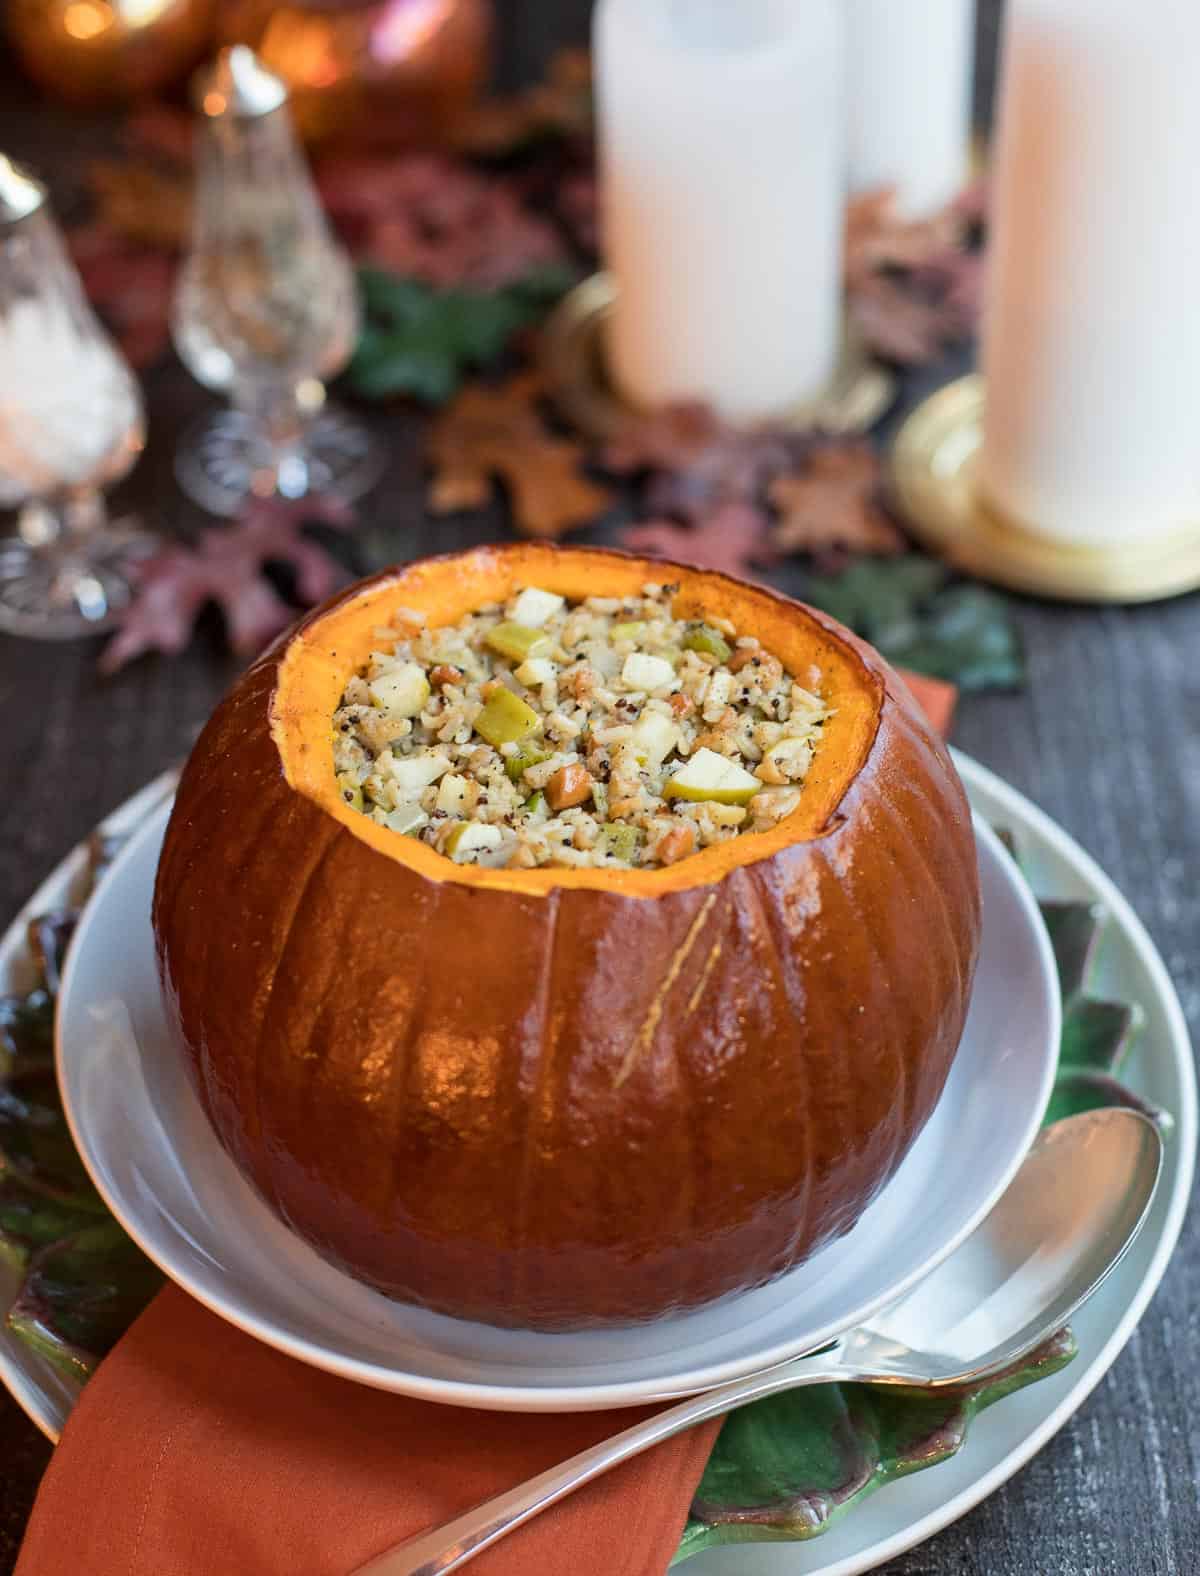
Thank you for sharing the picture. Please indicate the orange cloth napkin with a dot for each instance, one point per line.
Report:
(197, 1451)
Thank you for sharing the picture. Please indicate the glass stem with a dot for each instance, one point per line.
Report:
(280, 422)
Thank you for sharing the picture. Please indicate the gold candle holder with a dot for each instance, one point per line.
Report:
(933, 480)
(576, 373)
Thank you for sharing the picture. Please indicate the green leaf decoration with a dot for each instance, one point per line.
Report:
(789, 1467)
(919, 617)
(81, 1294)
(26, 1035)
(421, 341)
(36, 1148)
(784, 1469)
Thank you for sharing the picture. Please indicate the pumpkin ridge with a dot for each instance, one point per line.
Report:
(780, 965)
(535, 1106)
(265, 1039)
(649, 1027)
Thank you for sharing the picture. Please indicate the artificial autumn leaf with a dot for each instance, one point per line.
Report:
(732, 540)
(420, 341)
(437, 220)
(561, 106)
(498, 432)
(833, 503)
(913, 286)
(696, 461)
(919, 617)
(227, 568)
(577, 200)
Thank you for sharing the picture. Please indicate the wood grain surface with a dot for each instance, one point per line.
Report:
(1106, 739)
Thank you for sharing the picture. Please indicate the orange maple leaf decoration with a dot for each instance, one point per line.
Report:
(833, 504)
(498, 432)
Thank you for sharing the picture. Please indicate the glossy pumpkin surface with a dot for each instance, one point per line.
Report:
(554, 1098)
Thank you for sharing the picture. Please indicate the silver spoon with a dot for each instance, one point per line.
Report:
(1065, 1222)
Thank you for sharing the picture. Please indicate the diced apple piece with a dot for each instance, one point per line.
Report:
(506, 719)
(472, 837)
(644, 672)
(411, 773)
(536, 672)
(633, 629)
(408, 820)
(518, 642)
(400, 691)
(708, 775)
(351, 791)
(654, 737)
(456, 795)
(534, 607)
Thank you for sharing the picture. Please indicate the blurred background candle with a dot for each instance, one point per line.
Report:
(1092, 352)
(909, 75)
(723, 170)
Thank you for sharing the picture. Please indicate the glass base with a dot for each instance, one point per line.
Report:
(71, 587)
(220, 456)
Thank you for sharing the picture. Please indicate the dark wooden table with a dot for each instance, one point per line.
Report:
(1106, 738)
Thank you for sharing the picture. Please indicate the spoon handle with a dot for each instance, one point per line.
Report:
(447, 1547)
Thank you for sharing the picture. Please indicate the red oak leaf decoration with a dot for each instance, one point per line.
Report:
(913, 286)
(732, 539)
(696, 462)
(832, 507)
(226, 568)
(436, 219)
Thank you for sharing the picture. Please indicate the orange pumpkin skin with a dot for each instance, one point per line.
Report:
(553, 1099)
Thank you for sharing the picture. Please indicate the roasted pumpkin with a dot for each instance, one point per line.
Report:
(554, 1098)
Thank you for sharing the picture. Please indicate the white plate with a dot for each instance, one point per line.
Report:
(156, 1160)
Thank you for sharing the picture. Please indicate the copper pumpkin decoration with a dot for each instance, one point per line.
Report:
(98, 52)
(553, 1098)
(373, 72)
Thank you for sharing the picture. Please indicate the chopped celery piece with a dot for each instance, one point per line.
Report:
(535, 804)
(518, 642)
(621, 842)
(506, 719)
(530, 755)
(703, 637)
(600, 797)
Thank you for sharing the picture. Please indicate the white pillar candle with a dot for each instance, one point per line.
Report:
(909, 80)
(722, 156)
(1092, 334)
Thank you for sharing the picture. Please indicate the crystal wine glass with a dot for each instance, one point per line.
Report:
(266, 306)
(71, 424)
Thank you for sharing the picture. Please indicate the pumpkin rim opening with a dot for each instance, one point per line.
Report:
(332, 644)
